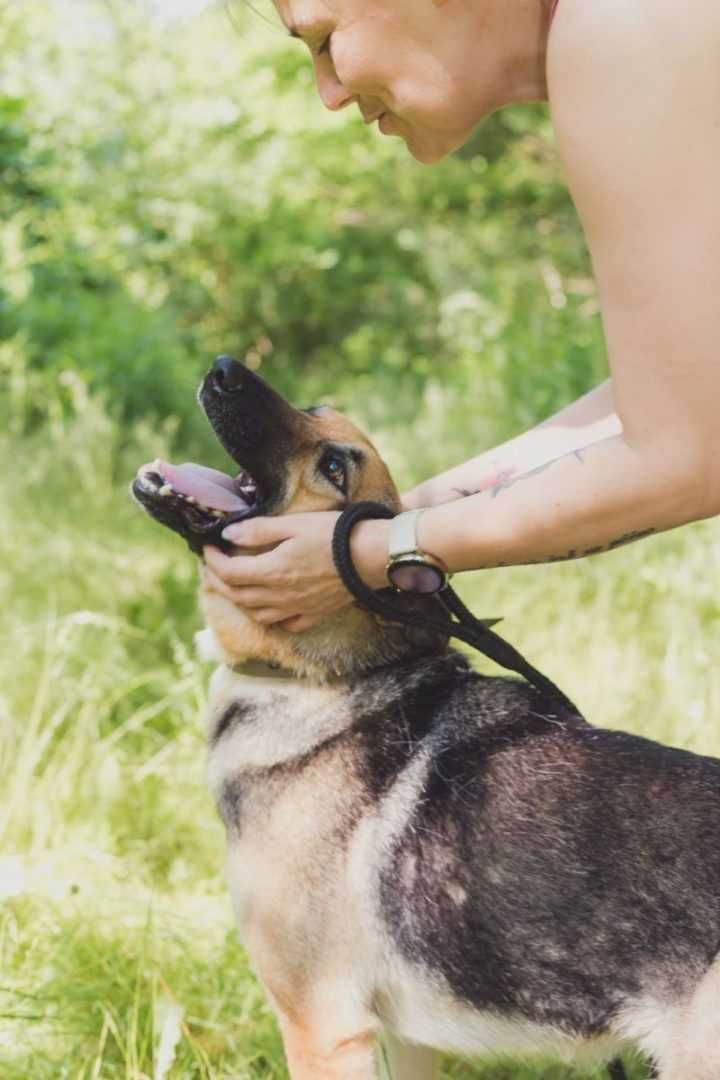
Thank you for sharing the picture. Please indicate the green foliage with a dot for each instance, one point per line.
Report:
(169, 192)
(196, 201)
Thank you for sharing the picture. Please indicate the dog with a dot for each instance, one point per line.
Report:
(418, 851)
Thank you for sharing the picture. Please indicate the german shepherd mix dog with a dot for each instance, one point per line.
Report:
(414, 848)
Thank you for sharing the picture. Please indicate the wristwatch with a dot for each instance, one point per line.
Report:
(407, 568)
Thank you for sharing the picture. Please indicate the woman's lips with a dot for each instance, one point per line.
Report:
(385, 120)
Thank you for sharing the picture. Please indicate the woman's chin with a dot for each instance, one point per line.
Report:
(427, 148)
(426, 155)
(428, 151)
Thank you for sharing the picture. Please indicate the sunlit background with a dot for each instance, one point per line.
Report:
(178, 9)
(172, 190)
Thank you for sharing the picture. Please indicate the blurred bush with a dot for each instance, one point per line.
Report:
(173, 191)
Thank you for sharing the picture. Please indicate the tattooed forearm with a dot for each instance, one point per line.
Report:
(500, 481)
(583, 553)
(620, 541)
(577, 455)
(629, 538)
(505, 479)
(495, 479)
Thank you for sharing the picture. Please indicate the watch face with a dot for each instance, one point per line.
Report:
(417, 577)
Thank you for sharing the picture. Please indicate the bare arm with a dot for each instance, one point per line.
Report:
(585, 502)
(642, 153)
(589, 419)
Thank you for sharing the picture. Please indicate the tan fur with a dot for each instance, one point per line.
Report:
(309, 1058)
(242, 639)
(348, 633)
(301, 929)
(306, 492)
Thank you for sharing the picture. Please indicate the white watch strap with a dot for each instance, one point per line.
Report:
(403, 533)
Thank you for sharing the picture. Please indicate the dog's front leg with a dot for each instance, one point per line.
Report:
(312, 1055)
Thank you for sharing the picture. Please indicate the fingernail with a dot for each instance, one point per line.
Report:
(232, 532)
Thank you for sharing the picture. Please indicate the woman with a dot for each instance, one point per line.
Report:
(634, 88)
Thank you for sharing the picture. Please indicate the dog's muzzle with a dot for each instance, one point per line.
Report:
(258, 429)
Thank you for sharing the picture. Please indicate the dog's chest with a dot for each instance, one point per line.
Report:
(287, 793)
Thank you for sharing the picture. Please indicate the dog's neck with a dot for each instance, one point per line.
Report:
(258, 669)
(342, 648)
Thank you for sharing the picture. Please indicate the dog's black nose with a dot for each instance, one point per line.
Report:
(228, 374)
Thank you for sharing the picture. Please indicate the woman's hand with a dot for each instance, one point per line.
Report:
(293, 584)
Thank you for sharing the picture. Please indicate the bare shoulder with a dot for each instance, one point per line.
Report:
(623, 65)
(620, 54)
(588, 33)
(634, 88)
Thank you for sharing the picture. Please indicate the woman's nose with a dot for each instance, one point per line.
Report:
(332, 93)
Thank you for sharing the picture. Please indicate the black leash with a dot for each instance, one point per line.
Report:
(456, 621)
(459, 623)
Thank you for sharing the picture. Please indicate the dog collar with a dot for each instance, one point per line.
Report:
(260, 669)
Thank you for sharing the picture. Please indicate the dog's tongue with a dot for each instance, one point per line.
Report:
(209, 486)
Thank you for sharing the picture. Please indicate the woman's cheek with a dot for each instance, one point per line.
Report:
(358, 69)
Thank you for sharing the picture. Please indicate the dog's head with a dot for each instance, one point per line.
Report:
(290, 461)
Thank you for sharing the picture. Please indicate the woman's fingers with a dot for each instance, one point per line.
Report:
(255, 603)
(240, 569)
(293, 576)
(258, 532)
(267, 616)
(216, 584)
(245, 596)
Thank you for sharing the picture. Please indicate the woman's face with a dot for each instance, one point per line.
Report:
(414, 65)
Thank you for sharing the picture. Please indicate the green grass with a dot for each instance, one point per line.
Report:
(118, 956)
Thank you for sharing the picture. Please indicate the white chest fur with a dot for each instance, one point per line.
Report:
(278, 720)
(283, 807)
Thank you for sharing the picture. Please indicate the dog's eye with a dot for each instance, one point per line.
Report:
(333, 467)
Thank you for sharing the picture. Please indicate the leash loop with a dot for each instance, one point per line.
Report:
(456, 620)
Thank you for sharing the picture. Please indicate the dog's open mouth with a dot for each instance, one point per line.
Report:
(258, 429)
(208, 490)
(195, 501)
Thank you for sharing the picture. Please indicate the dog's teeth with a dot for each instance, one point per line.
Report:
(190, 499)
(166, 489)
